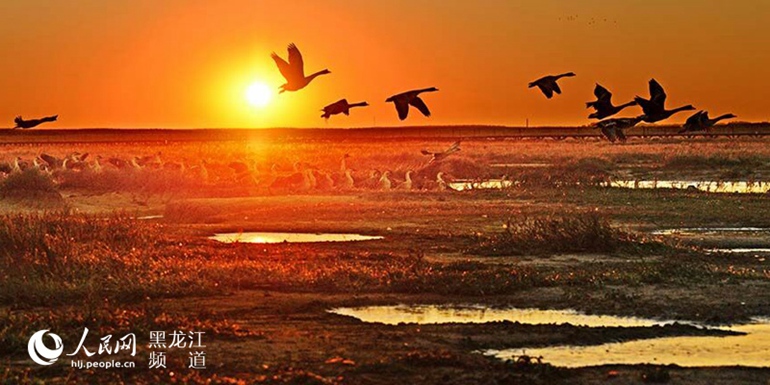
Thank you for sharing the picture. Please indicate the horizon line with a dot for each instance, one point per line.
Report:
(354, 128)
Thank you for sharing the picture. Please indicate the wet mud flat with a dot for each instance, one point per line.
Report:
(299, 339)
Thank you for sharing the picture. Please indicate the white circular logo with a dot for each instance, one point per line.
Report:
(40, 353)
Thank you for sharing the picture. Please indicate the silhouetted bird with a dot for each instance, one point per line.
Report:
(403, 100)
(340, 107)
(612, 129)
(294, 71)
(548, 85)
(656, 101)
(665, 114)
(700, 121)
(21, 123)
(437, 156)
(654, 108)
(603, 104)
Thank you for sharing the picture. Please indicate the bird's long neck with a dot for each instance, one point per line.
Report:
(564, 74)
(721, 117)
(319, 73)
(427, 90)
(629, 104)
(362, 104)
(678, 109)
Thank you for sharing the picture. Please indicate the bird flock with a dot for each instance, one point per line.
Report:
(294, 73)
(302, 178)
(653, 108)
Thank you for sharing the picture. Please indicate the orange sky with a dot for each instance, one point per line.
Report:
(187, 63)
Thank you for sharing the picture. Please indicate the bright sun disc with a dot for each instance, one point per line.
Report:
(259, 94)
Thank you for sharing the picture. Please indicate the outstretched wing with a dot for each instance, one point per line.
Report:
(657, 95)
(295, 60)
(556, 87)
(704, 117)
(694, 119)
(402, 107)
(417, 102)
(283, 66)
(602, 94)
(454, 147)
(546, 91)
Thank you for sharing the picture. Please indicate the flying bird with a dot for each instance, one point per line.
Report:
(21, 123)
(654, 108)
(293, 71)
(613, 128)
(548, 85)
(340, 107)
(603, 104)
(437, 156)
(405, 99)
(700, 121)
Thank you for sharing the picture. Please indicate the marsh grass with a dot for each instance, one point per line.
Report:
(716, 161)
(587, 171)
(29, 185)
(577, 233)
(57, 258)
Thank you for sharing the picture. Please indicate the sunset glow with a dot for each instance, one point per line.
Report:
(180, 63)
(259, 94)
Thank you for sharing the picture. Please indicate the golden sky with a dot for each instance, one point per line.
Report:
(187, 63)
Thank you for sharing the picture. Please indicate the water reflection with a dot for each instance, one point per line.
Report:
(710, 230)
(432, 314)
(462, 185)
(752, 349)
(707, 186)
(694, 185)
(149, 217)
(265, 237)
(740, 250)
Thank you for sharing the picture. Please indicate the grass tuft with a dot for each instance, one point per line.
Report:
(589, 233)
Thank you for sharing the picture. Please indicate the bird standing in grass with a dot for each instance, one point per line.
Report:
(384, 182)
(548, 85)
(403, 100)
(407, 183)
(294, 71)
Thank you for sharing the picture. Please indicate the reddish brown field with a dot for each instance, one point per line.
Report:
(76, 255)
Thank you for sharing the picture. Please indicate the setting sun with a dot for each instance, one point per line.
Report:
(259, 94)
